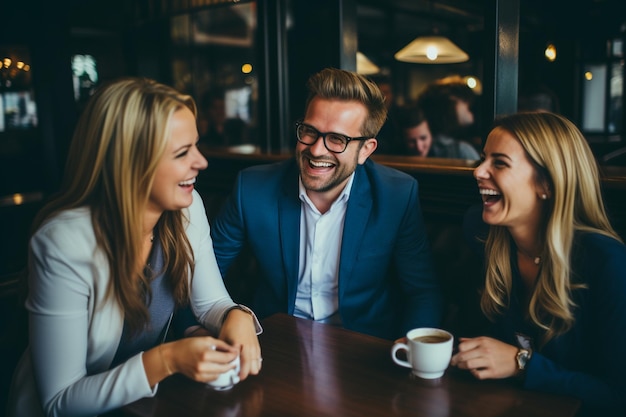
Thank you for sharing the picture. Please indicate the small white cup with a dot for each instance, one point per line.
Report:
(228, 379)
(428, 351)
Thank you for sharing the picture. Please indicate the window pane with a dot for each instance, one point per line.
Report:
(594, 97)
(616, 93)
(84, 76)
(180, 31)
(224, 38)
(215, 61)
(618, 47)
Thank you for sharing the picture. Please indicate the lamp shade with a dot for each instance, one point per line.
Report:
(364, 65)
(431, 50)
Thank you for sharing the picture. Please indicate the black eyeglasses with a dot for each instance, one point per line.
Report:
(334, 142)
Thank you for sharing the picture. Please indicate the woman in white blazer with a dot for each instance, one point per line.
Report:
(124, 246)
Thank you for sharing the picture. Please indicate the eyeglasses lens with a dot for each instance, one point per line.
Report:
(334, 142)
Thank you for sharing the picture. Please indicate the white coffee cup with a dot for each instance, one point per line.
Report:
(428, 352)
(228, 379)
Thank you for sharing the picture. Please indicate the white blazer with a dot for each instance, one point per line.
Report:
(75, 328)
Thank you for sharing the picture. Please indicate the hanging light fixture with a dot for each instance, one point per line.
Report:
(364, 65)
(433, 49)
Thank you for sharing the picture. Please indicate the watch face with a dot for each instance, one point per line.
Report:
(522, 358)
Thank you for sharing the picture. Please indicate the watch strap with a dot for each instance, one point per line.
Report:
(238, 307)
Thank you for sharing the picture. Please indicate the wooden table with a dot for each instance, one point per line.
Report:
(313, 369)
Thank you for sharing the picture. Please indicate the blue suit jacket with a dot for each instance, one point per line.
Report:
(386, 281)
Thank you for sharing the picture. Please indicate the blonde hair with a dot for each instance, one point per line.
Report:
(564, 162)
(336, 84)
(118, 142)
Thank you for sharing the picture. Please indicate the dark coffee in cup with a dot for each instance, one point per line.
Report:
(432, 338)
(428, 352)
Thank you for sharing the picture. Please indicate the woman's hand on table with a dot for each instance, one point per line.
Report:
(202, 359)
(239, 330)
(486, 358)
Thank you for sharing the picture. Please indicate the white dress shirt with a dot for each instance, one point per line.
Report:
(320, 250)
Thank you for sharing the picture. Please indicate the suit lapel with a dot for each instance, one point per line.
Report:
(357, 214)
(289, 229)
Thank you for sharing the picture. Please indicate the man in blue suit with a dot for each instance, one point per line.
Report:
(338, 238)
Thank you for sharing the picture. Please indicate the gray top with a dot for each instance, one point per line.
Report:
(447, 147)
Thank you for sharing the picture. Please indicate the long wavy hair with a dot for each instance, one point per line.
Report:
(337, 84)
(120, 138)
(562, 160)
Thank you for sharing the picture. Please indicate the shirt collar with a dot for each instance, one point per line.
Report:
(344, 196)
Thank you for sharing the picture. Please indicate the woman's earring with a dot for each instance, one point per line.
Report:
(544, 196)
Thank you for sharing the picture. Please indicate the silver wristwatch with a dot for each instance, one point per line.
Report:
(523, 356)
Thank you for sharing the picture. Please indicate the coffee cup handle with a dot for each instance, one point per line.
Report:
(395, 349)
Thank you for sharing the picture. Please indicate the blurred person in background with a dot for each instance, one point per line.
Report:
(418, 140)
(447, 105)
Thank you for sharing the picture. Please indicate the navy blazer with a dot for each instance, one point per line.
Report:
(386, 279)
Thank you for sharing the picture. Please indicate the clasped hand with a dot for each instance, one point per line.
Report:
(486, 358)
(203, 358)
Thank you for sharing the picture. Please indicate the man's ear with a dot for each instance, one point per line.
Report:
(367, 149)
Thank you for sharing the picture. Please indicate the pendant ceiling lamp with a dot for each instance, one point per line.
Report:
(431, 50)
(364, 65)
